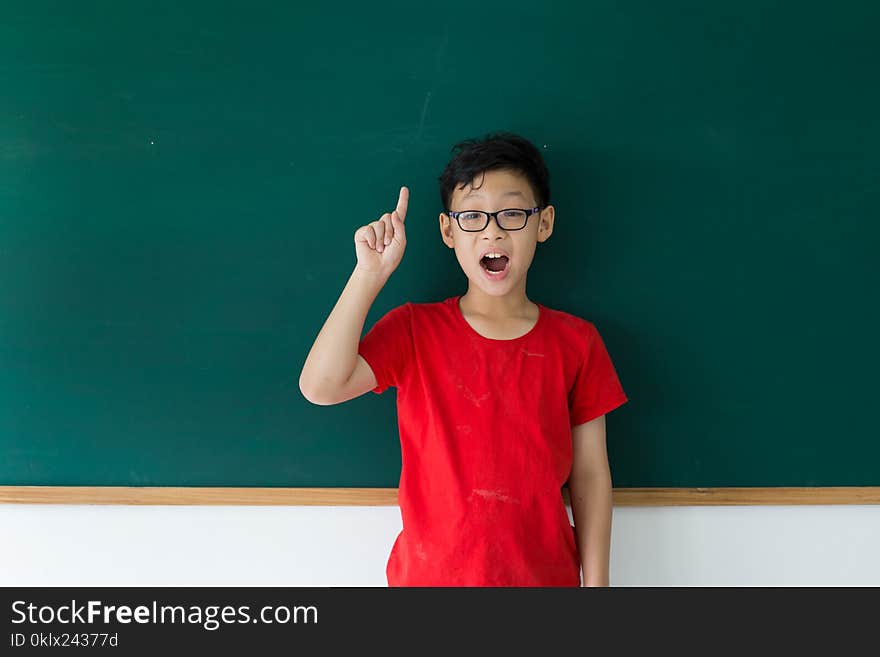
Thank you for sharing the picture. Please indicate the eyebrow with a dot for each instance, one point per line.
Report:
(469, 194)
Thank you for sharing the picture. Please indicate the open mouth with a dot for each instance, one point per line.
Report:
(494, 265)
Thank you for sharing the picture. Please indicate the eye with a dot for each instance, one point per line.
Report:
(470, 215)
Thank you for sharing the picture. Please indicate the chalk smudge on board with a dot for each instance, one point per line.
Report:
(439, 57)
(424, 114)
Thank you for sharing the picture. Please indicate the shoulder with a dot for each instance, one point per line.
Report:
(578, 335)
(568, 324)
(431, 309)
(419, 312)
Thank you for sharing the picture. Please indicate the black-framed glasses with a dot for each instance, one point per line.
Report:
(473, 221)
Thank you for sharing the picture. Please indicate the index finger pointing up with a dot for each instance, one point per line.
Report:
(402, 202)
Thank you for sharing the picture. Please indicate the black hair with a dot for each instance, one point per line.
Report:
(500, 150)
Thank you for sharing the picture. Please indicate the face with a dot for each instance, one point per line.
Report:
(496, 190)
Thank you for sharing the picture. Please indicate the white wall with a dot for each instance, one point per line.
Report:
(66, 545)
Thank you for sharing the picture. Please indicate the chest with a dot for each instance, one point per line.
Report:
(499, 413)
(505, 378)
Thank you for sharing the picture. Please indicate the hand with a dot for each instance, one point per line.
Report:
(379, 245)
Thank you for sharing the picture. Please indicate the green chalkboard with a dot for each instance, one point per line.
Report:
(180, 183)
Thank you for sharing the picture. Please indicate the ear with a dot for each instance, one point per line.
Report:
(447, 233)
(545, 226)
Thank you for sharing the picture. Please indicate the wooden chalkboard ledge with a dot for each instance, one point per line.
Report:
(161, 495)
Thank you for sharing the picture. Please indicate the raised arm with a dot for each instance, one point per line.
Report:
(333, 371)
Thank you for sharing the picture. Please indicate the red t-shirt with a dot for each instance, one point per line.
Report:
(485, 436)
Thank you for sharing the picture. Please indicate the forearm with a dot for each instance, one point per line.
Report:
(333, 356)
(591, 506)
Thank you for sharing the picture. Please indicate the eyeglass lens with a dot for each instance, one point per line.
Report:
(508, 220)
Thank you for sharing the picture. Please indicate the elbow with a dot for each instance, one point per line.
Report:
(306, 389)
(591, 474)
(312, 394)
(317, 400)
(590, 479)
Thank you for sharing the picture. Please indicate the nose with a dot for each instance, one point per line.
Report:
(494, 229)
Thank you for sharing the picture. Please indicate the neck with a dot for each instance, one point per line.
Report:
(513, 304)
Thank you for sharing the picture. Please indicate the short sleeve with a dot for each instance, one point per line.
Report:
(596, 388)
(387, 347)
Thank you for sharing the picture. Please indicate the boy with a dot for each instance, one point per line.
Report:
(500, 399)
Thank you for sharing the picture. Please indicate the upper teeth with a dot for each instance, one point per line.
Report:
(493, 255)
